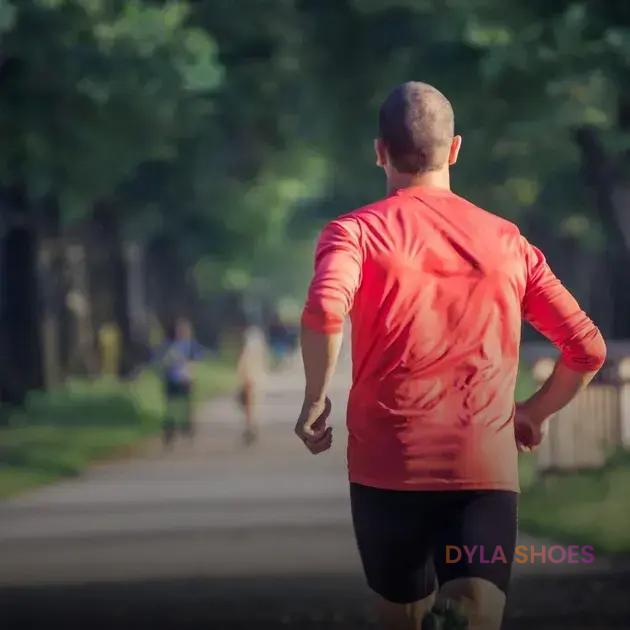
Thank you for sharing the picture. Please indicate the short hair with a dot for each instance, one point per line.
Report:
(416, 124)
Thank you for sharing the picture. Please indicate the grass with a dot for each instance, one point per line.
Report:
(58, 434)
(586, 507)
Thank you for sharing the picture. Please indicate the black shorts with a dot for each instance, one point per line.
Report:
(411, 541)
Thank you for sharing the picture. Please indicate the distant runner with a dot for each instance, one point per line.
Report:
(174, 359)
(436, 289)
(251, 369)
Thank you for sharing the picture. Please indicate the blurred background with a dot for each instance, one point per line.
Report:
(169, 160)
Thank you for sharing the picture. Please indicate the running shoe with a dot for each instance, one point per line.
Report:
(445, 616)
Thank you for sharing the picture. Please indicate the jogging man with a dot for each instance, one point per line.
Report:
(436, 289)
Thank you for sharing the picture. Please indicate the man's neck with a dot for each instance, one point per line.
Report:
(430, 179)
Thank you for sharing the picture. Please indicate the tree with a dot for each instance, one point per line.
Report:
(90, 90)
(541, 96)
(231, 188)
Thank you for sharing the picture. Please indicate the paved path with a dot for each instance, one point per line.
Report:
(215, 535)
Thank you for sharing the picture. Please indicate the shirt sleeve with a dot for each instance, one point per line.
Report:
(551, 309)
(338, 261)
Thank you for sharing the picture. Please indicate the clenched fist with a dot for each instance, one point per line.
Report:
(529, 432)
(311, 426)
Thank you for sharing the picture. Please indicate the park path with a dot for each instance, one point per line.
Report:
(216, 535)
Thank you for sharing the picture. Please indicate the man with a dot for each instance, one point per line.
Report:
(436, 289)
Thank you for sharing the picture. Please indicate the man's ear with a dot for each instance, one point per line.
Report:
(380, 151)
(456, 145)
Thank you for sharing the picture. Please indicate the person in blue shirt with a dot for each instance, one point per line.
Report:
(174, 358)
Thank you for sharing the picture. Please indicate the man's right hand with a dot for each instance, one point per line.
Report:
(311, 426)
(529, 431)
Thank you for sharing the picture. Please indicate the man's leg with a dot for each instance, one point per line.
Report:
(395, 546)
(168, 421)
(474, 573)
(394, 616)
(188, 426)
(249, 409)
(479, 601)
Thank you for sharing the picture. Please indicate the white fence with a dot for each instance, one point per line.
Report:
(594, 425)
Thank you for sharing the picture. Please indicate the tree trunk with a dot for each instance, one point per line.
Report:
(81, 342)
(612, 199)
(110, 277)
(50, 273)
(168, 293)
(20, 305)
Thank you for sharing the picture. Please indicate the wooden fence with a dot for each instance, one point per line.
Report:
(596, 424)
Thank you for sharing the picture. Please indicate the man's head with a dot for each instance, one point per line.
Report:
(416, 131)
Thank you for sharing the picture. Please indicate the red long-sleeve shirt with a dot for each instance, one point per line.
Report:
(436, 289)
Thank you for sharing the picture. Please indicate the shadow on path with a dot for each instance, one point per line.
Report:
(301, 601)
(217, 537)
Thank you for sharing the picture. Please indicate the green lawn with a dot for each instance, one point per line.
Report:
(59, 433)
(589, 507)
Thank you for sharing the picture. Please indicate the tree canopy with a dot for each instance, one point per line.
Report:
(229, 129)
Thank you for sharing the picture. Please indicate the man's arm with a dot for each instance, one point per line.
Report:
(319, 353)
(330, 297)
(555, 313)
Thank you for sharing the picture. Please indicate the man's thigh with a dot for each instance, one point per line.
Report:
(478, 537)
(395, 543)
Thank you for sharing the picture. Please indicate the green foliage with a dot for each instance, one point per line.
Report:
(213, 131)
(7, 15)
(523, 77)
(91, 89)
(231, 187)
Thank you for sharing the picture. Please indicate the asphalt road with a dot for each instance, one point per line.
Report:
(216, 535)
